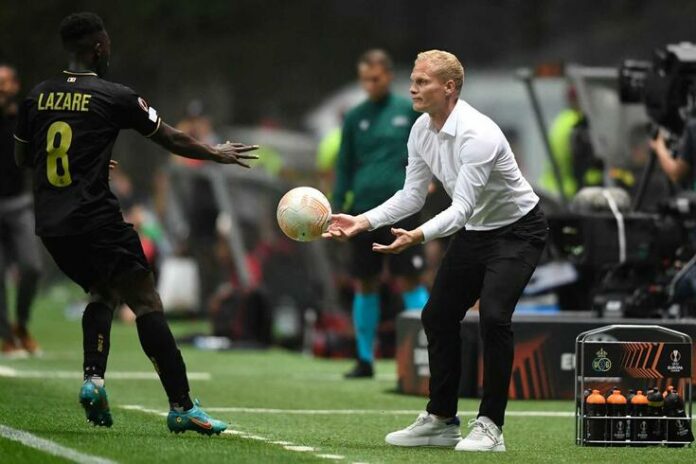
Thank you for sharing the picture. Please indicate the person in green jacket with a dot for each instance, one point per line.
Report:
(371, 167)
(569, 141)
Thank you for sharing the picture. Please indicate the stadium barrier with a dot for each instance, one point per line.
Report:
(544, 365)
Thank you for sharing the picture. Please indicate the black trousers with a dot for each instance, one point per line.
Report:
(493, 266)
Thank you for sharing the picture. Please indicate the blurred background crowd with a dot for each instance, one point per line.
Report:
(283, 75)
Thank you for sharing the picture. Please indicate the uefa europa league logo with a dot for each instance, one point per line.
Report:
(675, 356)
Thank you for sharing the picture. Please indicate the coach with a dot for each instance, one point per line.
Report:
(498, 234)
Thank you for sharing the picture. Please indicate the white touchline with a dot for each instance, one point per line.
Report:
(50, 447)
(301, 449)
(116, 375)
(135, 407)
(378, 412)
(287, 445)
(337, 377)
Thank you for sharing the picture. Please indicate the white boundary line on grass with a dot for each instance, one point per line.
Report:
(287, 445)
(329, 377)
(379, 412)
(40, 374)
(50, 447)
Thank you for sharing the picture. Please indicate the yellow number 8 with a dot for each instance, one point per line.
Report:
(58, 154)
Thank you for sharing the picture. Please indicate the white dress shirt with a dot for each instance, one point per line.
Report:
(473, 160)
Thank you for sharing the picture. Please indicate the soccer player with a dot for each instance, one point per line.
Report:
(18, 243)
(371, 167)
(66, 128)
(498, 234)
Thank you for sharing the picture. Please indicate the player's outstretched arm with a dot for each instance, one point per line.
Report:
(182, 144)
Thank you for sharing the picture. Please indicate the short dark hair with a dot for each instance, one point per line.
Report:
(376, 56)
(77, 28)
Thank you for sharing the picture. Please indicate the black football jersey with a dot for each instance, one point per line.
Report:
(70, 123)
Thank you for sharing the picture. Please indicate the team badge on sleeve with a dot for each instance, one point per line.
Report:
(152, 114)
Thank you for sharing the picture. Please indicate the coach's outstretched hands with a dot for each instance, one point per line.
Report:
(345, 226)
(234, 153)
(404, 239)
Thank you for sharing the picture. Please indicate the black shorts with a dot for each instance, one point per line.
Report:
(99, 256)
(366, 263)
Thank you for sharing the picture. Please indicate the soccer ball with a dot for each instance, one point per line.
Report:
(303, 214)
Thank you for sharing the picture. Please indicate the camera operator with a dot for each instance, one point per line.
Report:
(678, 166)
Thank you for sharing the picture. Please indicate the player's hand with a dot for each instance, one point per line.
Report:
(234, 153)
(404, 239)
(345, 226)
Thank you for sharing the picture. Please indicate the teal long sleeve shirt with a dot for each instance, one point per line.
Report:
(373, 156)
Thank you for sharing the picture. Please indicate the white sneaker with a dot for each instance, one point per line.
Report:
(484, 436)
(427, 430)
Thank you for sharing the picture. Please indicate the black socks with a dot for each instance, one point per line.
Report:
(96, 330)
(157, 342)
(159, 345)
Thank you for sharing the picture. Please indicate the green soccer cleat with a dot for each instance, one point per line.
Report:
(194, 419)
(93, 399)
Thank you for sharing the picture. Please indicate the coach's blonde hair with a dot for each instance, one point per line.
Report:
(446, 66)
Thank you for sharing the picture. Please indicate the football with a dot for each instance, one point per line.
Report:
(303, 214)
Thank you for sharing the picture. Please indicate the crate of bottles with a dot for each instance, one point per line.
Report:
(633, 387)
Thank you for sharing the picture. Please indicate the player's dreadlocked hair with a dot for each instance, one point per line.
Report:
(76, 30)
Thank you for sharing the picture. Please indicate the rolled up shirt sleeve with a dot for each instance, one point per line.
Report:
(411, 198)
(478, 158)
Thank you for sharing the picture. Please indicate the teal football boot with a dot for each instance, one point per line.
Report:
(194, 419)
(93, 399)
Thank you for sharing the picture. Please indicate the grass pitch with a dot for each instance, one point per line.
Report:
(283, 407)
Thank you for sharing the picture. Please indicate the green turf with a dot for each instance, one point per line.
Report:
(17, 452)
(273, 379)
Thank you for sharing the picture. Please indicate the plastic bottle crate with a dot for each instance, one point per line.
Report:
(633, 356)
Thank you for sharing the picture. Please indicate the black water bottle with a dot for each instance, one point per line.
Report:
(667, 390)
(639, 425)
(678, 430)
(656, 431)
(616, 409)
(629, 411)
(595, 429)
(629, 397)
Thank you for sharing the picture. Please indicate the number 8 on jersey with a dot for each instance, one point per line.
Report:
(57, 166)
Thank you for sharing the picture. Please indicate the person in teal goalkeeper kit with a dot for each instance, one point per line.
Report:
(371, 167)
